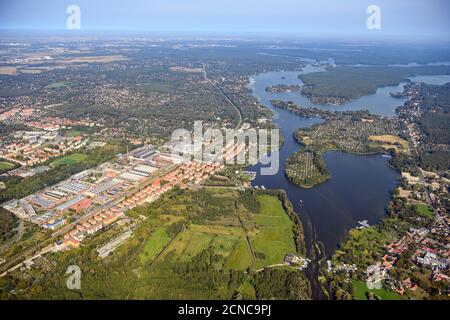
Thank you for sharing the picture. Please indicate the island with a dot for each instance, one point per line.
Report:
(283, 88)
(357, 132)
(340, 85)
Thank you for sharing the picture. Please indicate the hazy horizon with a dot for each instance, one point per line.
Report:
(409, 20)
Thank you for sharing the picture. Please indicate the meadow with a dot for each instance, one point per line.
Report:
(70, 159)
(266, 240)
(360, 291)
(192, 245)
(425, 211)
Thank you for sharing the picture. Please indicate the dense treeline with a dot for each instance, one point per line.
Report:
(281, 284)
(437, 160)
(6, 129)
(436, 126)
(8, 222)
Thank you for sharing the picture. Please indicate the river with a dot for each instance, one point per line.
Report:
(360, 186)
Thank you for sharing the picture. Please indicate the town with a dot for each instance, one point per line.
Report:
(93, 199)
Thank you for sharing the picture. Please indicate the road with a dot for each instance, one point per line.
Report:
(105, 250)
(19, 259)
(238, 110)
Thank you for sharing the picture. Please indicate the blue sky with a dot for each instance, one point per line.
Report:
(409, 18)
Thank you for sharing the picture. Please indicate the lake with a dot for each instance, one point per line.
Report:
(360, 186)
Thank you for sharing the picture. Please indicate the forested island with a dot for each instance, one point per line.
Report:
(356, 132)
(341, 84)
(283, 88)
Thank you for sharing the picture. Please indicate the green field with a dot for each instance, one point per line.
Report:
(154, 245)
(273, 237)
(5, 165)
(73, 133)
(71, 159)
(197, 243)
(360, 289)
(269, 231)
(270, 237)
(228, 243)
(193, 245)
(424, 211)
(240, 258)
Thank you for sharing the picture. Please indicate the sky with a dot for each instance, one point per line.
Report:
(407, 18)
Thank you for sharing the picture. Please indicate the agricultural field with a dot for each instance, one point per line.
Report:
(70, 159)
(228, 243)
(6, 70)
(240, 257)
(272, 238)
(191, 245)
(94, 59)
(391, 142)
(227, 246)
(154, 245)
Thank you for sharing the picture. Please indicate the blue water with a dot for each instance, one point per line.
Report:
(360, 187)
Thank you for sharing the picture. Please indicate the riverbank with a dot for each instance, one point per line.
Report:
(353, 132)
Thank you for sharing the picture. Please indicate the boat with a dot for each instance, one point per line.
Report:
(363, 224)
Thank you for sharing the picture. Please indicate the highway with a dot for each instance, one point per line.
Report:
(213, 83)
